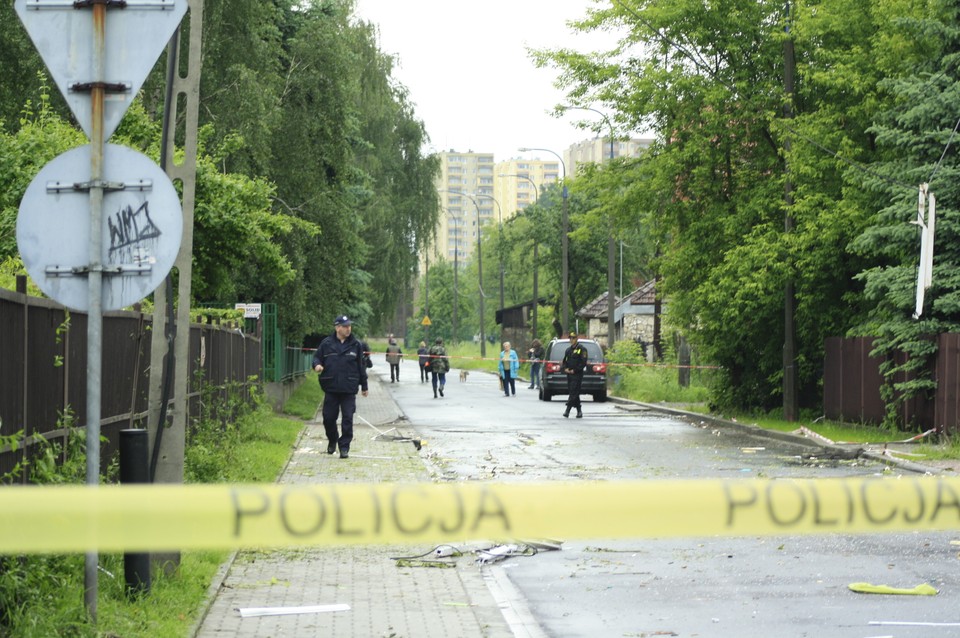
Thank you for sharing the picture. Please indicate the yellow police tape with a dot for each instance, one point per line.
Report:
(158, 517)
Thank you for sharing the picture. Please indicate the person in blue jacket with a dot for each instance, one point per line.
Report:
(508, 365)
(340, 364)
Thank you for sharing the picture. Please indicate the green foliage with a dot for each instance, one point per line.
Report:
(22, 66)
(311, 169)
(234, 211)
(636, 379)
(214, 315)
(658, 384)
(314, 191)
(10, 268)
(229, 416)
(31, 587)
(912, 132)
(40, 137)
(42, 595)
(305, 399)
(874, 84)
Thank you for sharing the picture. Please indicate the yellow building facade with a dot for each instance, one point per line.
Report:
(475, 192)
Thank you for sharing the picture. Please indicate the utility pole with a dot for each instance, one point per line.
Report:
(611, 272)
(456, 267)
(611, 245)
(564, 242)
(790, 404)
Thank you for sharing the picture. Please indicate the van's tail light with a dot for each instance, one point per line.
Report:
(600, 368)
(553, 366)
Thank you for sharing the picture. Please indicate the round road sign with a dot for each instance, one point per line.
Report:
(142, 225)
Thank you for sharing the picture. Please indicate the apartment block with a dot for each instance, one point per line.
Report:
(519, 182)
(475, 190)
(597, 151)
(462, 175)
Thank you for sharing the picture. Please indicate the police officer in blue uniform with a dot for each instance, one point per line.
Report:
(340, 364)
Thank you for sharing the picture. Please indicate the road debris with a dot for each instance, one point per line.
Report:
(253, 612)
(920, 590)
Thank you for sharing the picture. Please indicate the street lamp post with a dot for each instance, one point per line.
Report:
(483, 337)
(611, 245)
(483, 340)
(536, 297)
(426, 295)
(500, 247)
(564, 241)
(456, 252)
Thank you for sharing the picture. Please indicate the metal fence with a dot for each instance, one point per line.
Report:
(283, 360)
(852, 382)
(43, 363)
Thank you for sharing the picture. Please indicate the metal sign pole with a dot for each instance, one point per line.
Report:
(71, 37)
(95, 282)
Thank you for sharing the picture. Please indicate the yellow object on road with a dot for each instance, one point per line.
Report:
(919, 590)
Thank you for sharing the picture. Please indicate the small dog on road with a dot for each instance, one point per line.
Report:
(463, 375)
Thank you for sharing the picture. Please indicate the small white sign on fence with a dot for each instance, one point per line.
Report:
(250, 310)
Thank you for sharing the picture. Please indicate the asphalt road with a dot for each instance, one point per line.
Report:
(705, 587)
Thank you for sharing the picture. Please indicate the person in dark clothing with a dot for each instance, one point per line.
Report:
(574, 364)
(423, 358)
(394, 356)
(342, 373)
(535, 355)
(367, 361)
(439, 366)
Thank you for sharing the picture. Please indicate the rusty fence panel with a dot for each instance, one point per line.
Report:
(852, 382)
(947, 410)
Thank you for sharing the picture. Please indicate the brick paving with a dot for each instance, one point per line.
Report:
(385, 600)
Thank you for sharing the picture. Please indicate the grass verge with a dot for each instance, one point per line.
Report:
(305, 399)
(47, 591)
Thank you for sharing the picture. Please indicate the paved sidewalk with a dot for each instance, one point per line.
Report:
(385, 600)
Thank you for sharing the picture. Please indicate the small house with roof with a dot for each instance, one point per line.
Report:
(634, 316)
(516, 324)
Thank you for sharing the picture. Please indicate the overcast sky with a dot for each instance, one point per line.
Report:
(470, 58)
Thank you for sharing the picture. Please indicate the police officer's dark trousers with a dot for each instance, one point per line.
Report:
(340, 404)
(574, 381)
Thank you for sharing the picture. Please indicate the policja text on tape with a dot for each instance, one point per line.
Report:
(165, 517)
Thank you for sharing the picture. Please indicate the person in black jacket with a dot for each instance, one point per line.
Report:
(535, 355)
(340, 364)
(423, 358)
(574, 364)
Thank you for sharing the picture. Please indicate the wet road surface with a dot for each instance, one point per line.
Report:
(745, 587)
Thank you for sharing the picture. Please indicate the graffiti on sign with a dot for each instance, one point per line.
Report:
(133, 235)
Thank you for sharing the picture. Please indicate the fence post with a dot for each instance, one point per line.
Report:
(24, 420)
(134, 468)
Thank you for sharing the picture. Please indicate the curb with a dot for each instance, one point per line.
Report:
(828, 450)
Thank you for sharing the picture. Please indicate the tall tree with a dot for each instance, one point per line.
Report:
(708, 80)
(917, 140)
(396, 195)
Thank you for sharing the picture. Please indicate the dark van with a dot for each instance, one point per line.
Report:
(554, 381)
